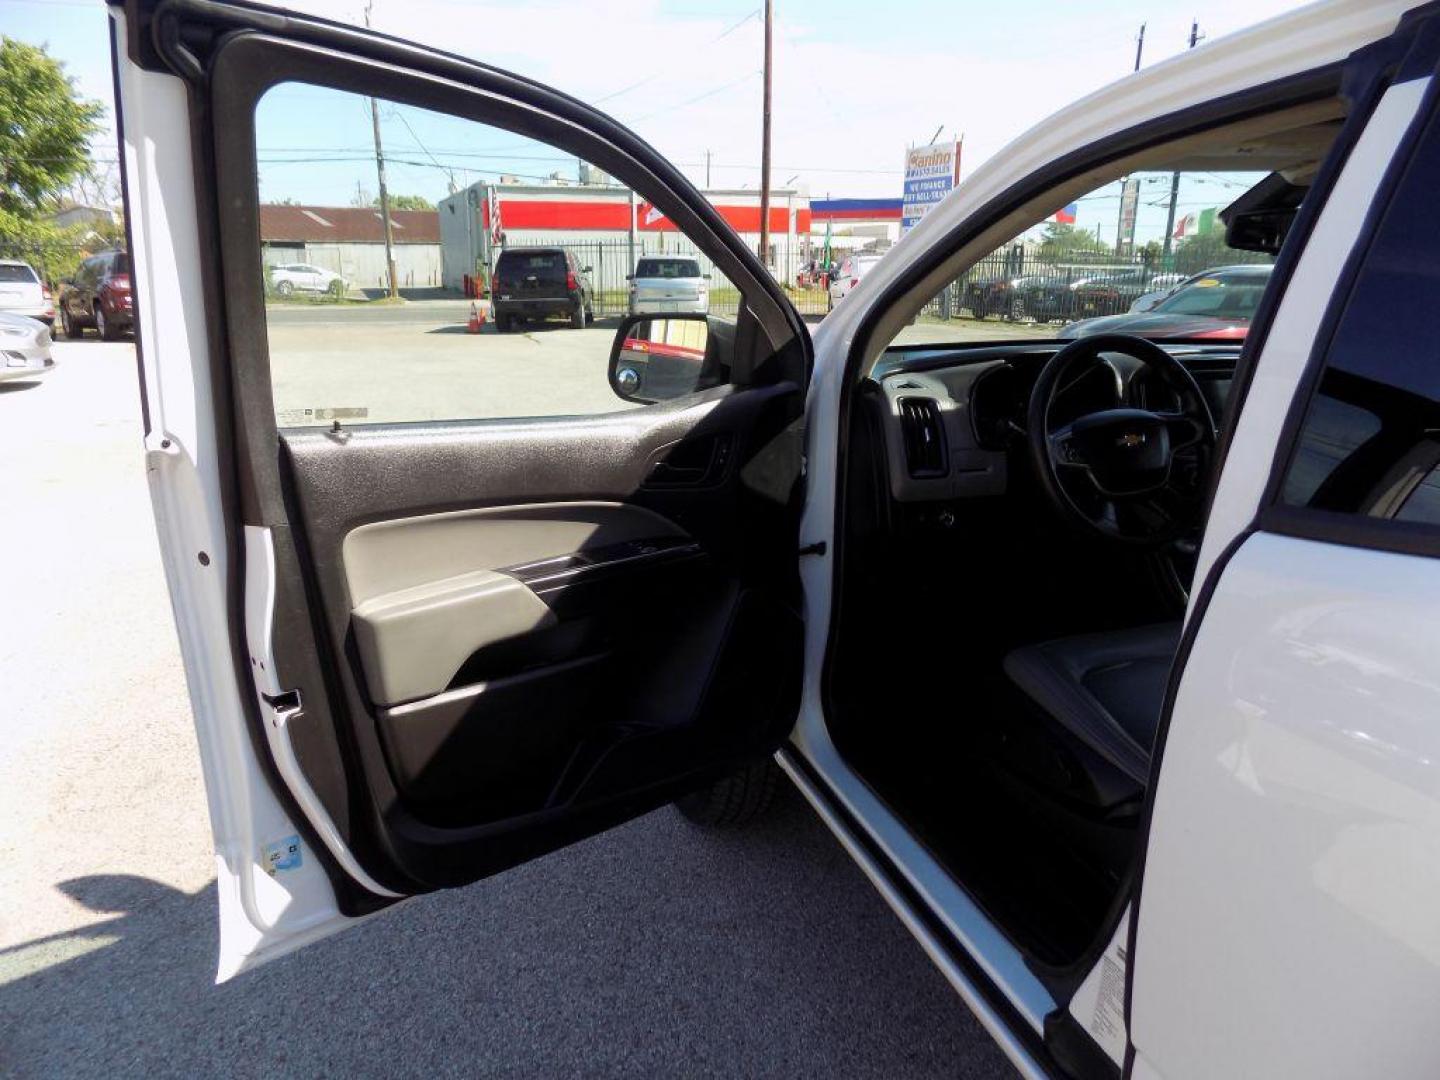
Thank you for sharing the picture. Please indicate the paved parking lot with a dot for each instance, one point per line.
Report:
(655, 950)
(417, 362)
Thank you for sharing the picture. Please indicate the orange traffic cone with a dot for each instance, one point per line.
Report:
(477, 320)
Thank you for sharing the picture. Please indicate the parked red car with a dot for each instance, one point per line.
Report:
(99, 296)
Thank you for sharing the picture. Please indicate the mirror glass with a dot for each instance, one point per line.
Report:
(660, 358)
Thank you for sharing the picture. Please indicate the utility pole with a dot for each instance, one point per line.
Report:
(384, 192)
(630, 235)
(765, 142)
(1125, 184)
(1175, 176)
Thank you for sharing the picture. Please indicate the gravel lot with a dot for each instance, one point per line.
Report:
(655, 950)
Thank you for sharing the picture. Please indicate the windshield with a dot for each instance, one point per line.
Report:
(668, 268)
(1104, 256)
(9, 272)
(1218, 296)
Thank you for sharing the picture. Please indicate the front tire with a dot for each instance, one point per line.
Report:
(68, 327)
(736, 801)
(285, 288)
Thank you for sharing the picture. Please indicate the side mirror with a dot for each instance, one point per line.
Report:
(629, 277)
(656, 358)
(705, 276)
(585, 269)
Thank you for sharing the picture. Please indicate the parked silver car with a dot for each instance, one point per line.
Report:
(23, 293)
(1163, 286)
(669, 284)
(289, 278)
(24, 347)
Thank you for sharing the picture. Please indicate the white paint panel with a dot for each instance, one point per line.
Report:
(1289, 923)
(261, 915)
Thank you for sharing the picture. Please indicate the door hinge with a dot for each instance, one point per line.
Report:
(817, 548)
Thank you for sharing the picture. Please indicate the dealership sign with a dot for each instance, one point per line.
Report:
(1129, 207)
(931, 172)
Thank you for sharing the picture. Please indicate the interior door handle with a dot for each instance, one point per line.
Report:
(694, 461)
(662, 472)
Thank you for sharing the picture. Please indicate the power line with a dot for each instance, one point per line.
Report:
(350, 154)
(395, 112)
(656, 74)
(697, 98)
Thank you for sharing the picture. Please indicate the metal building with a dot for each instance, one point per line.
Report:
(350, 240)
(608, 226)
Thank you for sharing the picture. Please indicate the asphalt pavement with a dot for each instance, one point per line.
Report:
(654, 950)
(381, 363)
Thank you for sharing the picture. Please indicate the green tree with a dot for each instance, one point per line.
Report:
(1196, 253)
(406, 202)
(45, 129)
(1060, 243)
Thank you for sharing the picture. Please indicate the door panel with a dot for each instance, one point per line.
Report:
(534, 617)
(469, 640)
(1296, 836)
(1284, 924)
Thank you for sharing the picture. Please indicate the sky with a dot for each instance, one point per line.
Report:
(855, 84)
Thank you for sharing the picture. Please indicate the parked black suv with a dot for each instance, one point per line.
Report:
(98, 296)
(1036, 296)
(540, 283)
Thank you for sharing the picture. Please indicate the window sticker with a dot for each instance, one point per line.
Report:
(281, 855)
(285, 417)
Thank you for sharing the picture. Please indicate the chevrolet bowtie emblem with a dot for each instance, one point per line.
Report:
(1131, 440)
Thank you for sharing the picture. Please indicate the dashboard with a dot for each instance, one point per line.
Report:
(953, 418)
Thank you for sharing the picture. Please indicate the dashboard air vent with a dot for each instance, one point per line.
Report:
(924, 435)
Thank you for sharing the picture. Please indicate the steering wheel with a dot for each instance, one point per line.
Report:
(1128, 474)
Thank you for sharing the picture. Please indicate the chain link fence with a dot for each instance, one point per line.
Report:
(612, 261)
(1011, 285)
(1007, 284)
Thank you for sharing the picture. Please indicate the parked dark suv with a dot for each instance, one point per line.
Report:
(540, 283)
(99, 296)
(1109, 291)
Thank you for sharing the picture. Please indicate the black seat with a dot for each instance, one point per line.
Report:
(1104, 689)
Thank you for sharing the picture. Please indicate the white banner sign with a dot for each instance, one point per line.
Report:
(931, 172)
